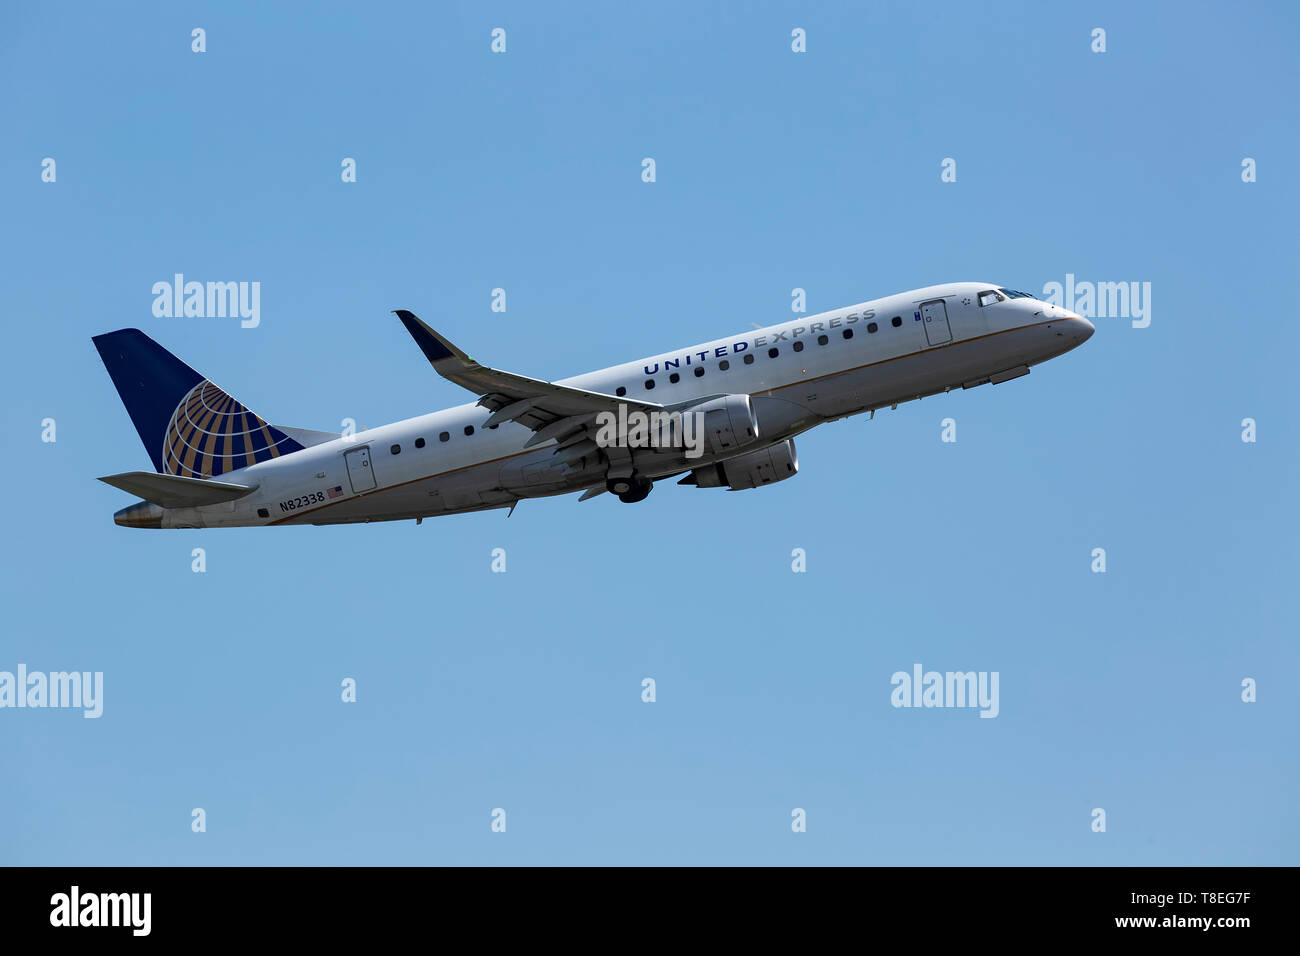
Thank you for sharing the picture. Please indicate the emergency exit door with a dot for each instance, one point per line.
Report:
(934, 316)
(360, 473)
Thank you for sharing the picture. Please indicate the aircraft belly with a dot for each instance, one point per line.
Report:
(470, 489)
(928, 371)
(543, 473)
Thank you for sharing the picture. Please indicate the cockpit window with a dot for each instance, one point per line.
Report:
(989, 297)
(1013, 294)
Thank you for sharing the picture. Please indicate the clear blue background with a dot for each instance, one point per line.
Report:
(775, 170)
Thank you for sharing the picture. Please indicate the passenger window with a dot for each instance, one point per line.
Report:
(896, 321)
(822, 340)
(724, 365)
(419, 443)
(674, 378)
(699, 370)
(444, 436)
(396, 449)
(773, 352)
(469, 430)
(749, 360)
(871, 327)
(620, 391)
(798, 346)
(847, 333)
(649, 383)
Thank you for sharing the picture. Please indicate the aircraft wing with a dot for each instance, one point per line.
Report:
(550, 410)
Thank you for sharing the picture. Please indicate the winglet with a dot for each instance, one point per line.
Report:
(434, 346)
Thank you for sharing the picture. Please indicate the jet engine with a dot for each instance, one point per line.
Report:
(751, 470)
(729, 422)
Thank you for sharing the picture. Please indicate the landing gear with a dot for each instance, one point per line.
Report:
(631, 488)
(640, 493)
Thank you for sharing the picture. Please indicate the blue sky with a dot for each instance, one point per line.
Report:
(775, 170)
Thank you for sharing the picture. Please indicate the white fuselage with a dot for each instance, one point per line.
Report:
(957, 343)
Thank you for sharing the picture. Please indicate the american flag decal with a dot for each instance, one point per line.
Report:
(336, 491)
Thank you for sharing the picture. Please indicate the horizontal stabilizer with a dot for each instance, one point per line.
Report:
(307, 436)
(173, 491)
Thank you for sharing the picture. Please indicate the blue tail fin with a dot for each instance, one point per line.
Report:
(189, 426)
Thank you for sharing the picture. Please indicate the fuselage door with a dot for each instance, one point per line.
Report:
(360, 473)
(934, 316)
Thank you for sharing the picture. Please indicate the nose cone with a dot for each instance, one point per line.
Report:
(142, 514)
(1081, 328)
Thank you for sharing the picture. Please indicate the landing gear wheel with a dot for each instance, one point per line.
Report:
(639, 494)
(631, 489)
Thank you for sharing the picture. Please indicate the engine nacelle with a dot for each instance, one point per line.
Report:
(751, 470)
(729, 422)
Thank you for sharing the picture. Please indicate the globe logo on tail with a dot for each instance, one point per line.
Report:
(211, 433)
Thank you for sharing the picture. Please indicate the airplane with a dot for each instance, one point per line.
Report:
(218, 464)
